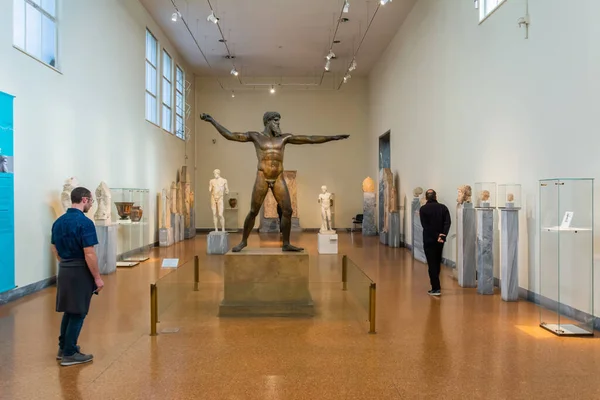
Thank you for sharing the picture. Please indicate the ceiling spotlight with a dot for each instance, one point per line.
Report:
(352, 66)
(232, 94)
(212, 18)
(175, 16)
(327, 65)
(330, 55)
(384, 2)
(272, 89)
(347, 78)
(234, 72)
(346, 6)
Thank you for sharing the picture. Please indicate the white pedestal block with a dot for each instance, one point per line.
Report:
(328, 243)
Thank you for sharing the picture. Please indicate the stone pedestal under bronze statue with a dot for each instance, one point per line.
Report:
(266, 282)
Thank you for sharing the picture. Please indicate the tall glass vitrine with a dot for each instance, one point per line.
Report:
(130, 211)
(566, 256)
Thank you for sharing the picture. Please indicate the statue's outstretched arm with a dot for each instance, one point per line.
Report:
(235, 136)
(303, 139)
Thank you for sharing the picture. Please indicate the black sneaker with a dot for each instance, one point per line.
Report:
(76, 358)
(434, 292)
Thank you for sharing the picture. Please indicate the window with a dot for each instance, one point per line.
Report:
(179, 103)
(487, 7)
(151, 78)
(167, 92)
(35, 29)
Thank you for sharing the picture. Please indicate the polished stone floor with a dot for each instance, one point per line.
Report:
(459, 346)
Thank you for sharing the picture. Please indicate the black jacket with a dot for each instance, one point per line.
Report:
(435, 219)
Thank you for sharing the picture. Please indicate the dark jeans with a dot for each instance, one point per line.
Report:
(69, 333)
(433, 253)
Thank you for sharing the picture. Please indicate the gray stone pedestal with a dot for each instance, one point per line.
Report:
(417, 231)
(485, 252)
(106, 249)
(466, 239)
(394, 231)
(165, 237)
(190, 231)
(369, 228)
(266, 282)
(509, 267)
(217, 242)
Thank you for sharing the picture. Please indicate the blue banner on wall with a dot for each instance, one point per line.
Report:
(7, 195)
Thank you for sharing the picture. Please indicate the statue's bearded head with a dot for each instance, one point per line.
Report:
(271, 122)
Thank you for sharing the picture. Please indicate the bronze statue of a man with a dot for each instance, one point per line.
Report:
(269, 145)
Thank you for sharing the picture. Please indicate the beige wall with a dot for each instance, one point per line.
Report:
(87, 121)
(469, 102)
(340, 165)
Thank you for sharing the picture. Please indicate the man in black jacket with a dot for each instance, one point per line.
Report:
(435, 219)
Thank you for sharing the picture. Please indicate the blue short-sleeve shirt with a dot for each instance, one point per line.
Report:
(71, 233)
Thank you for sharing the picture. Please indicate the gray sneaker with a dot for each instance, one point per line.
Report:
(59, 355)
(76, 358)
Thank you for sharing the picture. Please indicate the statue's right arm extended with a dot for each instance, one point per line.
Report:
(235, 136)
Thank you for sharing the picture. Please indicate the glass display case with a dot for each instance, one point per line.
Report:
(485, 195)
(130, 212)
(230, 213)
(566, 256)
(509, 195)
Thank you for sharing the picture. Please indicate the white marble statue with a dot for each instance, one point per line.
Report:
(168, 208)
(173, 198)
(65, 197)
(218, 188)
(103, 198)
(325, 200)
(163, 209)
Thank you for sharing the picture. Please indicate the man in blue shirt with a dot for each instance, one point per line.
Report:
(73, 240)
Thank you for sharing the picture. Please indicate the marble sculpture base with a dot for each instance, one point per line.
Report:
(509, 268)
(328, 243)
(266, 282)
(394, 231)
(106, 249)
(369, 228)
(485, 254)
(217, 242)
(466, 238)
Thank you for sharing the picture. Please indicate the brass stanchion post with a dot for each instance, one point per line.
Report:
(153, 309)
(345, 272)
(372, 306)
(196, 272)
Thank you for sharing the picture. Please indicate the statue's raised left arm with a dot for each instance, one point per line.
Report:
(303, 139)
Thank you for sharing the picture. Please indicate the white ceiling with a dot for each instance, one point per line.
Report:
(279, 38)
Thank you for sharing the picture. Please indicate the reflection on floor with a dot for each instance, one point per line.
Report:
(459, 346)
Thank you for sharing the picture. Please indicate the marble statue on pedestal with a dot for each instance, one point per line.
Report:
(218, 188)
(103, 198)
(269, 146)
(484, 198)
(326, 201)
(173, 198)
(65, 197)
(388, 182)
(179, 201)
(464, 194)
(466, 238)
(369, 227)
(162, 210)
